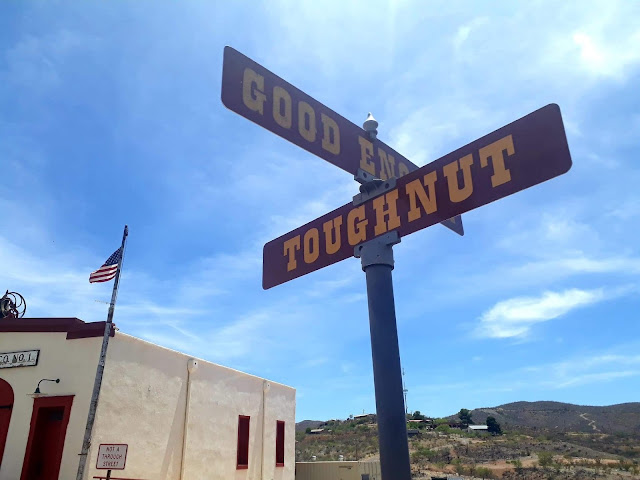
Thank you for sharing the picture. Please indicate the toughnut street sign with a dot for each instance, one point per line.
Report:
(259, 95)
(524, 153)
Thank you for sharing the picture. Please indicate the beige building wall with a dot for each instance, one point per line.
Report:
(143, 402)
(74, 362)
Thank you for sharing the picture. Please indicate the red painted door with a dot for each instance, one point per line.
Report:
(46, 438)
(6, 406)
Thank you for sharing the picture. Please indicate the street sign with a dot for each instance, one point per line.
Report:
(524, 153)
(112, 456)
(23, 358)
(261, 96)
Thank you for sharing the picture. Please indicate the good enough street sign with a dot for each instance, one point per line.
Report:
(261, 96)
(112, 456)
(524, 153)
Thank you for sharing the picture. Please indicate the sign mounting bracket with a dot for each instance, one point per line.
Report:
(371, 187)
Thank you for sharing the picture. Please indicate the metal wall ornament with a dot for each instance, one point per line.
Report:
(12, 304)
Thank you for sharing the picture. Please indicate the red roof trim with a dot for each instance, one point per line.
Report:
(74, 327)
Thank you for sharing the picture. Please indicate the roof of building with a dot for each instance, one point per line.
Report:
(363, 415)
(316, 430)
(478, 427)
(74, 327)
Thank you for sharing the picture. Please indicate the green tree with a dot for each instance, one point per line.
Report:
(493, 426)
(465, 416)
(417, 415)
(443, 428)
(545, 459)
(308, 430)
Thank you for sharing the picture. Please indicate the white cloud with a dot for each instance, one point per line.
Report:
(515, 317)
(463, 32)
(608, 60)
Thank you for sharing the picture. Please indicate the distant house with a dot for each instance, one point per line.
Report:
(478, 429)
(315, 431)
(364, 416)
(459, 425)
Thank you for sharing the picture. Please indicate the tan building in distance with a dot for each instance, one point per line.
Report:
(182, 418)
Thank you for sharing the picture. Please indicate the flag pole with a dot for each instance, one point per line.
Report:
(86, 441)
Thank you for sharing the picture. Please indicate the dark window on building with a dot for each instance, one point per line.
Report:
(243, 442)
(279, 443)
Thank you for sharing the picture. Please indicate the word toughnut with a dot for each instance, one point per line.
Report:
(524, 153)
(419, 197)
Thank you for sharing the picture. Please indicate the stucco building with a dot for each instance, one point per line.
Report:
(182, 418)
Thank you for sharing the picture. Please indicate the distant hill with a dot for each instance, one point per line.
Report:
(564, 417)
(304, 424)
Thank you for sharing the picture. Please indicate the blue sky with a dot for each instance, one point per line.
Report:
(110, 113)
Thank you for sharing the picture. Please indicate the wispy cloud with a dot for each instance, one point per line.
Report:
(573, 372)
(516, 316)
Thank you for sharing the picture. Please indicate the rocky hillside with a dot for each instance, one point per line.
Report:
(304, 424)
(564, 417)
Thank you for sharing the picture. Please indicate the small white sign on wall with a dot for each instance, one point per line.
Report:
(23, 358)
(112, 456)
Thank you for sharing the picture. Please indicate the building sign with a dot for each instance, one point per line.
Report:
(112, 456)
(263, 97)
(524, 153)
(25, 358)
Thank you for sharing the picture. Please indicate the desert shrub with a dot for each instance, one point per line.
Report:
(545, 459)
(483, 472)
(458, 466)
(516, 463)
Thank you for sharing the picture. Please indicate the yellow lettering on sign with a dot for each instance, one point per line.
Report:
(457, 194)
(415, 190)
(281, 98)
(385, 206)
(305, 111)
(402, 169)
(331, 143)
(290, 247)
(253, 91)
(387, 165)
(366, 152)
(356, 226)
(332, 238)
(500, 173)
(311, 245)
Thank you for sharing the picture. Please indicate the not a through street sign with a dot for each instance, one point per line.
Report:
(524, 153)
(112, 456)
(261, 96)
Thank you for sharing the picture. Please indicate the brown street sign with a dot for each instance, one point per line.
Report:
(524, 153)
(261, 96)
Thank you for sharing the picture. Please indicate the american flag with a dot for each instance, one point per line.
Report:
(107, 271)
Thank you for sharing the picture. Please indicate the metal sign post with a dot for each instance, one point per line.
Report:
(377, 262)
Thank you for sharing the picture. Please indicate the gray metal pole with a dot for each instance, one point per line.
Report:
(93, 406)
(377, 263)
